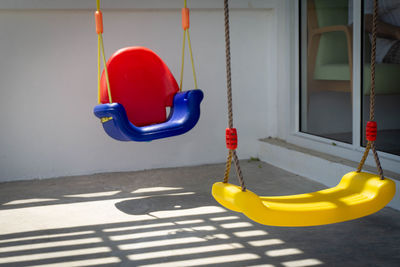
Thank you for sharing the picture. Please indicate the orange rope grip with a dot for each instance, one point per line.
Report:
(99, 21)
(185, 18)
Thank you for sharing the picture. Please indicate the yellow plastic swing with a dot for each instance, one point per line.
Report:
(357, 195)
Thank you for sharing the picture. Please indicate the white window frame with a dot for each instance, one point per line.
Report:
(352, 151)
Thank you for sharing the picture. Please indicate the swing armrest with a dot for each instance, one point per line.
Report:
(185, 114)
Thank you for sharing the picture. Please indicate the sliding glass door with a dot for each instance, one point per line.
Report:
(327, 76)
(327, 55)
(387, 84)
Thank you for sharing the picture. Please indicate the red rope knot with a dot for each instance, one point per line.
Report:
(231, 138)
(371, 131)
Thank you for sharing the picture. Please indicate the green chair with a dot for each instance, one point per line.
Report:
(330, 52)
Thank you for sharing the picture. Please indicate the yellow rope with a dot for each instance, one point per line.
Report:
(100, 52)
(100, 49)
(98, 67)
(105, 69)
(186, 32)
(183, 60)
(191, 59)
(98, 59)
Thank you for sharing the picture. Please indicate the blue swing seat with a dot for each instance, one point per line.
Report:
(142, 89)
(184, 115)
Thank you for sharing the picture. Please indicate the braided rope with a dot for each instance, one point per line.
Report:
(373, 61)
(371, 144)
(228, 63)
(228, 166)
(232, 153)
(239, 171)
(377, 161)
(361, 164)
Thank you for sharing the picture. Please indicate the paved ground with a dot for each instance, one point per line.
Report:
(168, 217)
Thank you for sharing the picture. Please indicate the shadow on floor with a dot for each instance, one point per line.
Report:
(168, 218)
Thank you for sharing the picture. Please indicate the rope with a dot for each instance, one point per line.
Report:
(228, 166)
(192, 60)
(232, 153)
(186, 33)
(371, 144)
(373, 61)
(377, 161)
(367, 148)
(183, 60)
(101, 53)
(98, 69)
(105, 69)
(239, 171)
(228, 64)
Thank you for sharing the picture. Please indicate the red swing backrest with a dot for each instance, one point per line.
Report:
(142, 83)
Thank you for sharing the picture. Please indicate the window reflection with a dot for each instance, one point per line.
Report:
(327, 94)
(387, 84)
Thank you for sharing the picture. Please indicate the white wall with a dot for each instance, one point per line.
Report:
(48, 86)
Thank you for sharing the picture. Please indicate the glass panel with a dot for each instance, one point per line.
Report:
(387, 85)
(326, 91)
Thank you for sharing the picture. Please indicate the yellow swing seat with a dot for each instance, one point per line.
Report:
(357, 195)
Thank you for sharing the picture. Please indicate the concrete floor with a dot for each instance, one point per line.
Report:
(168, 217)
